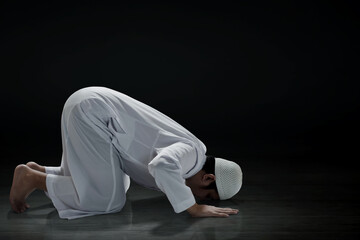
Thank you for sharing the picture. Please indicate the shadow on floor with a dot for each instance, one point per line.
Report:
(151, 216)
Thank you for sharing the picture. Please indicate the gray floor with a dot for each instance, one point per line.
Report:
(288, 199)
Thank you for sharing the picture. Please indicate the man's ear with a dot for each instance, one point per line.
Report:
(208, 178)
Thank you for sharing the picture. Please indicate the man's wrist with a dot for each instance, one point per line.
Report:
(193, 209)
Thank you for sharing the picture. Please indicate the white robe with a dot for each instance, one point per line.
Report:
(108, 136)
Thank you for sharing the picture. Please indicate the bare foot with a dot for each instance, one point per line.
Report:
(35, 166)
(22, 186)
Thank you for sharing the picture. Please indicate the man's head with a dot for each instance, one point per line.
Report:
(218, 179)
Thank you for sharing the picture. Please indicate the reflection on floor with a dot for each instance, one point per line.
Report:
(279, 200)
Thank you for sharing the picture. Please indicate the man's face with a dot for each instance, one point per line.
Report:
(199, 185)
(205, 194)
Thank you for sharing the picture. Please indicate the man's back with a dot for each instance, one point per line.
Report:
(140, 132)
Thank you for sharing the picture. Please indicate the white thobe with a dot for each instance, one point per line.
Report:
(108, 137)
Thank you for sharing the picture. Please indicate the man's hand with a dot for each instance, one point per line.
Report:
(210, 211)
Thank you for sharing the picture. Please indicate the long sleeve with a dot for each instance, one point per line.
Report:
(168, 168)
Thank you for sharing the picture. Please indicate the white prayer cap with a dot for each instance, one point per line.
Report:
(228, 178)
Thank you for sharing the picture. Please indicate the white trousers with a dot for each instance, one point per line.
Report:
(90, 180)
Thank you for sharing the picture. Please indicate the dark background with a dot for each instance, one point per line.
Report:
(267, 80)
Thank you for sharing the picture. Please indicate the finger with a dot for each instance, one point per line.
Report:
(27, 205)
(233, 211)
(221, 215)
(227, 210)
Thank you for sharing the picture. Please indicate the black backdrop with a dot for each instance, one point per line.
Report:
(252, 79)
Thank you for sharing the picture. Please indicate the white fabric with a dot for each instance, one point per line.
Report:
(108, 136)
(228, 178)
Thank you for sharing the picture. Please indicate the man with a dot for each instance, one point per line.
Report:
(108, 137)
